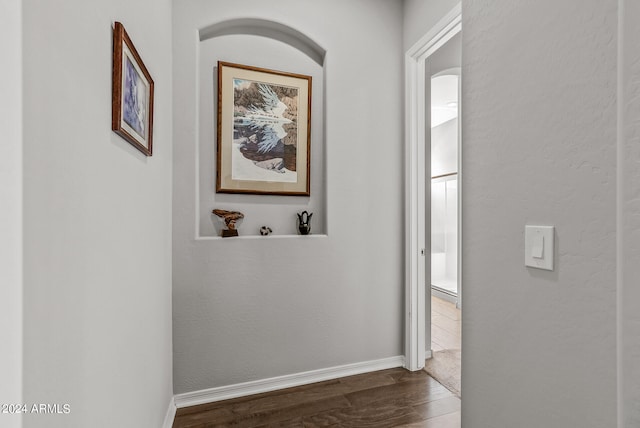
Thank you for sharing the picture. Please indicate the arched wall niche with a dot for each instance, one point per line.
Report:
(269, 29)
(271, 45)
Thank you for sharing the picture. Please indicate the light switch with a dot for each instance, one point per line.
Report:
(538, 246)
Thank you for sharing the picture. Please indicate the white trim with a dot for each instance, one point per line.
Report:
(196, 167)
(417, 229)
(438, 35)
(171, 414)
(444, 296)
(460, 189)
(272, 384)
(416, 245)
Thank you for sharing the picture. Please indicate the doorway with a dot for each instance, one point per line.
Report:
(422, 64)
(443, 70)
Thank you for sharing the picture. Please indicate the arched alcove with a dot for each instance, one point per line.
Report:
(270, 45)
(269, 29)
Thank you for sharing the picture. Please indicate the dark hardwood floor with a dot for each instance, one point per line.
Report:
(387, 398)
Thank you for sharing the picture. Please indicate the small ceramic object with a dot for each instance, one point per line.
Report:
(230, 218)
(304, 222)
(265, 230)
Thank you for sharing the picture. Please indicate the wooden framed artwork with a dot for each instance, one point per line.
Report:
(132, 97)
(264, 127)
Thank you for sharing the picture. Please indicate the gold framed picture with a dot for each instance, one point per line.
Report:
(264, 128)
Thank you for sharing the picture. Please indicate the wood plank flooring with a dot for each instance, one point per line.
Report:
(446, 328)
(446, 325)
(387, 398)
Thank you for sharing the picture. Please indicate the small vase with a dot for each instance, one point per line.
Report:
(304, 223)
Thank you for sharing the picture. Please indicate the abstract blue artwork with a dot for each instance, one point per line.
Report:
(135, 98)
(132, 96)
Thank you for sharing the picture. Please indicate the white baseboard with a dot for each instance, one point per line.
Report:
(272, 384)
(428, 354)
(171, 414)
(444, 296)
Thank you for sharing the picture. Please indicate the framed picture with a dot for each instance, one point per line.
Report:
(264, 125)
(132, 97)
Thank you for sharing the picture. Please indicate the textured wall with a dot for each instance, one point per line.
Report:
(539, 144)
(629, 209)
(97, 220)
(253, 308)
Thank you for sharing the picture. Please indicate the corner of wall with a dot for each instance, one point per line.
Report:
(11, 195)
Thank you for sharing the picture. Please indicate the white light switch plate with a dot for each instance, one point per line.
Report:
(538, 246)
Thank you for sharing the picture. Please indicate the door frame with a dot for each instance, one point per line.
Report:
(417, 165)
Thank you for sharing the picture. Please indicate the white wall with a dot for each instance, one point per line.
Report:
(629, 209)
(444, 148)
(253, 308)
(11, 211)
(97, 218)
(539, 144)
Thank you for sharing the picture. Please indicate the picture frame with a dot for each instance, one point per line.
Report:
(264, 131)
(132, 94)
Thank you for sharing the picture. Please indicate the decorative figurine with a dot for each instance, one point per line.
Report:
(230, 218)
(304, 222)
(265, 230)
